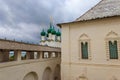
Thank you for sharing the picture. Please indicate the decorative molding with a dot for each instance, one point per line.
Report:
(93, 64)
(84, 37)
(112, 34)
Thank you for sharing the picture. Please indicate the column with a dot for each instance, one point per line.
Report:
(27, 55)
(1, 56)
(31, 55)
(38, 55)
(41, 55)
(18, 55)
(56, 54)
(49, 55)
(5, 55)
(59, 54)
(15, 55)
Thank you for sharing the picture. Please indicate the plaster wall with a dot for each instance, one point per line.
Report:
(99, 67)
(17, 70)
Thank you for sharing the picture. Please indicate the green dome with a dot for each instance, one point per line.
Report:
(53, 31)
(49, 30)
(43, 33)
(58, 33)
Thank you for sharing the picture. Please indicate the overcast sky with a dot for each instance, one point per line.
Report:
(24, 19)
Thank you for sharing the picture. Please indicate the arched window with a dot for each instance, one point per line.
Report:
(84, 50)
(112, 45)
(84, 47)
(113, 50)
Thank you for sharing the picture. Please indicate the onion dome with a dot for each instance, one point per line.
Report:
(50, 29)
(58, 33)
(43, 33)
(53, 31)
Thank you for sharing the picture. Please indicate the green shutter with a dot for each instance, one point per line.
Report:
(113, 50)
(84, 49)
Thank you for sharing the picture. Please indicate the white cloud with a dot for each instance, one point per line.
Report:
(24, 19)
(72, 9)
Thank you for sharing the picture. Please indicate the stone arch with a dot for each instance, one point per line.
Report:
(47, 74)
(57, 72)
(31, 76)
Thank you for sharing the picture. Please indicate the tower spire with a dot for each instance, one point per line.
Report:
(51, 19)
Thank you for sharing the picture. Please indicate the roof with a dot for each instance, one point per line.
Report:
(105, 8)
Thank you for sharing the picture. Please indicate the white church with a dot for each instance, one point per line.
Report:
(51, 38)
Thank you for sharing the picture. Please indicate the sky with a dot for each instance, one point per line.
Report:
(23, 20)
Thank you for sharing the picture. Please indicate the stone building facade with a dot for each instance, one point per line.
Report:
(91, 44)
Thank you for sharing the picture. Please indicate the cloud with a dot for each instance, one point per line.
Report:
(24, 19)
(72, 9)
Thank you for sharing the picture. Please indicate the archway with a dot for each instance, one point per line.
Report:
(57, 75)
(47, 74)
(31, 76)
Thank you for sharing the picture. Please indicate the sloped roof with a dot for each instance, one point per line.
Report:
(105, 8)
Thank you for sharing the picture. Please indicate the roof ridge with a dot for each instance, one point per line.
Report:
(89, 10)
(105, 8)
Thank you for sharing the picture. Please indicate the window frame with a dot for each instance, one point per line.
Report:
(108, 50)
(84, 38)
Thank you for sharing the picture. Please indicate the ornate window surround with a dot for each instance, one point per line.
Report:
(112, 36)
(84, 38)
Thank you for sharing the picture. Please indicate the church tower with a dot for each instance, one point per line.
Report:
(51, 37)
(43, 37)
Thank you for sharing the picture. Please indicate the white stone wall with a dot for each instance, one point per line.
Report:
(98, 67)
(18, 70)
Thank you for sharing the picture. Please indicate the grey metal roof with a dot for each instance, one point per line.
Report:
(105, 8)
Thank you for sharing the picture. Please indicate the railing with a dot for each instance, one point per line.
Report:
(18, 52)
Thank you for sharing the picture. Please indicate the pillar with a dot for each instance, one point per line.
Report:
(59, 54)
(41, 54)
(38, 55)
(5, 55)
(31, 55)
(56, 54)
(18, 55)
(49, 55)
(15, 55)
(27, 55)
(1, 56)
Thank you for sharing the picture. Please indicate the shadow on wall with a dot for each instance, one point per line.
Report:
(31, 76)
(57, 75)
(47, 74)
